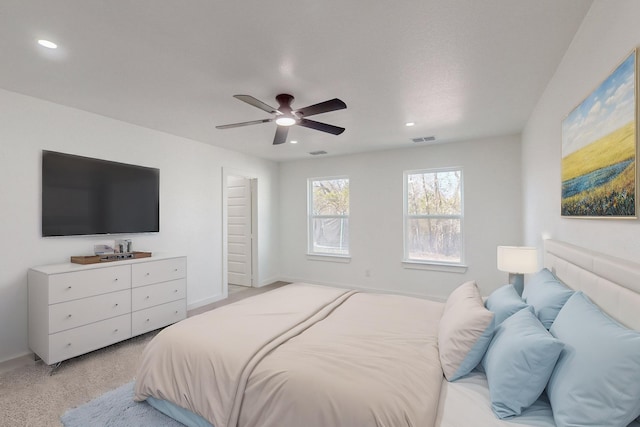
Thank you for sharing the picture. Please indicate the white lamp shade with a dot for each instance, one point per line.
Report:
(517, 259)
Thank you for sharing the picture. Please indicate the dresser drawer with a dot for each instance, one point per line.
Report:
(147, 273)
(77, 341)
(71, 314)
(151, 295)
(86, 283)
(158, 316)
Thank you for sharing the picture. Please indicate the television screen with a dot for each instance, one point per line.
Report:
(81, 195)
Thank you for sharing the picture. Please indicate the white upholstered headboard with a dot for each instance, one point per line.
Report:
(612, 283)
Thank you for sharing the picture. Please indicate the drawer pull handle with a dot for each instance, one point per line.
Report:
(147, 297)
(147, 274)
(176, 311)
(68, 287)
(115, 330)
(175, 290)
(69, 317)
(116, 279)
(116, 304)
(69, 344)
(175, 269)
(147, 320)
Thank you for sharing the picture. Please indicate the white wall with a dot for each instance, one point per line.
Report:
(492, 202)
(608, 34)
(190, 200)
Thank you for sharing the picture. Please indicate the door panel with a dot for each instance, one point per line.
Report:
(239, 230)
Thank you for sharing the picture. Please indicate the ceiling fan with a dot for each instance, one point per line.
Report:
(285, 117)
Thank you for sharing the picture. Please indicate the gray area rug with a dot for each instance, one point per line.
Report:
(116, 408)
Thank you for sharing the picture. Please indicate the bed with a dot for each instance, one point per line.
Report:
(307, 355)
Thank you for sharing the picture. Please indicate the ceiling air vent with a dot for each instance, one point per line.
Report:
(424, 139)
(317, 153)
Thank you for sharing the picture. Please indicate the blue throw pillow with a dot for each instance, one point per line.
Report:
(504, 302)
(518, 363)
(596, 381)
(547, 296)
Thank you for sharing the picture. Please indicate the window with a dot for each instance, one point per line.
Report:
(329, 216)
(433, 216)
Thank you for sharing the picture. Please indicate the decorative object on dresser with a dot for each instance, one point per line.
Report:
(75, 309)
(517, 261)
(123, 246)
(94, 259)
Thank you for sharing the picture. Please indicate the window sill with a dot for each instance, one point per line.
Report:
(434, 266)
(329, 258)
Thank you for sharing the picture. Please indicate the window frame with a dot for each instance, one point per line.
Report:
(409, 262)
(311, 254)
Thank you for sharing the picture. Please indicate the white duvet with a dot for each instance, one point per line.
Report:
(302, 355)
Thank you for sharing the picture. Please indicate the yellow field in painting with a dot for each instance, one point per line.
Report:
(614, 148)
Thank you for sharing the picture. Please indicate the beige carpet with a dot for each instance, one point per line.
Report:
(30, 397)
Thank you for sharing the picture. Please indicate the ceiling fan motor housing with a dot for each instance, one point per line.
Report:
(285, 100)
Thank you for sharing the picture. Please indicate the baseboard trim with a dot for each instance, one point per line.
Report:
(206, 301)
(16, 362)
(268, 282)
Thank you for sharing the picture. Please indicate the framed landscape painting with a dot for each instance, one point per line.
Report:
(599, 146)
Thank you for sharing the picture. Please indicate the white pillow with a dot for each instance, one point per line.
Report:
(465, 331)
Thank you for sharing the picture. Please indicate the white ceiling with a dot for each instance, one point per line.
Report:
(459, 69)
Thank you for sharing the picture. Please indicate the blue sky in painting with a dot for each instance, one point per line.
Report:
(606, 109)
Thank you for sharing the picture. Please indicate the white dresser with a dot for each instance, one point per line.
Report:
(75, 309)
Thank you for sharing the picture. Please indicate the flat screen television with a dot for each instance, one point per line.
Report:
(84, 196)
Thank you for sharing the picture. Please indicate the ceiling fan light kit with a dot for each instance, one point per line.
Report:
(285, 117)
(285, 121)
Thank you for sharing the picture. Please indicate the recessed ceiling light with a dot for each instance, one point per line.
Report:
(294, 142)
(409, 124)
(47, 44)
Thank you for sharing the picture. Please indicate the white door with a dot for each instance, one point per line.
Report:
(239, 230)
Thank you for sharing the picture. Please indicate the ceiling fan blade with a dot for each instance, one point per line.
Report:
(256, 103)
(324, 127)
(281, 135)
(322, 107)
(237, 125)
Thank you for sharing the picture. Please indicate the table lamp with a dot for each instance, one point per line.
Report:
(517, 260)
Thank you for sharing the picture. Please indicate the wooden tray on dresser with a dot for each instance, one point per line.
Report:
(95, 259)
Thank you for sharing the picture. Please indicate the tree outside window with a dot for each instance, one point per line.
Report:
(329, 216)
(433, 216)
